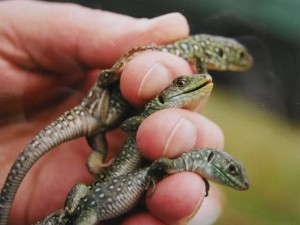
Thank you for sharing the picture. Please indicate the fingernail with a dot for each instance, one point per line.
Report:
(181, 139)
(161, 19)
(156, 79)
(173, 21)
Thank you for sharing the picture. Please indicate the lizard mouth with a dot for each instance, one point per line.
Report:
(236, 183)
(208, 82)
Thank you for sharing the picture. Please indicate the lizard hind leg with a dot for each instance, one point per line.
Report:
(95, 163)
(55, 218)
(95, 160)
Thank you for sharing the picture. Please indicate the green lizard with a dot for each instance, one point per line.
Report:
(210, 52)
(207, 52)
(184, 91)
(103, 109)
(117, 196)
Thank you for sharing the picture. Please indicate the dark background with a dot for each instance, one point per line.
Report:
(269, 28)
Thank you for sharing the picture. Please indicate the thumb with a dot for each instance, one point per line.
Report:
(74, 35)
(41, 38)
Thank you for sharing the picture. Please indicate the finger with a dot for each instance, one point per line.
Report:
(56, 38)
(177, 198)
(142, 218)
(72, 35)
(163, 135)
(147, 74)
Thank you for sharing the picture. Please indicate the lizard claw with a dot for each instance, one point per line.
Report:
(207, 187)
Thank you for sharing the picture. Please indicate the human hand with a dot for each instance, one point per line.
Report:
(50, 54)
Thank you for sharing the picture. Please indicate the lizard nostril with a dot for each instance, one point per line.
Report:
(161, 99)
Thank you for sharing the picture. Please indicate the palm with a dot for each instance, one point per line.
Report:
(59, 169)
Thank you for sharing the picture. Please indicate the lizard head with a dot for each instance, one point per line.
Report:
(226, 54)
(185, 92)
(223, 168)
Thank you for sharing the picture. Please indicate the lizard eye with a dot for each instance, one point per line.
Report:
(180, 82)
(232, 169)
(210, 157)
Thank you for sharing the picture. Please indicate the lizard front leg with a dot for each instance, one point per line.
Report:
(112, 75)
(62, 216)
(54, 218)
(112, 113)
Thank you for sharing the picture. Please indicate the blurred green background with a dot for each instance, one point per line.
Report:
(269, 148)
(259, 110)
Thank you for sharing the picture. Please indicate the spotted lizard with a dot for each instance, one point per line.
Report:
(206, 52)
(104, 109)
(185, 91)
(210, 52)
(120, 194)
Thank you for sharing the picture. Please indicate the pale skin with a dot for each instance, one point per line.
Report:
(50, 55)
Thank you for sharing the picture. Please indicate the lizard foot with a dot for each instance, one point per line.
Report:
(95, 163)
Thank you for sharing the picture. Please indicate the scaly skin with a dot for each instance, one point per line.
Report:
(104, 108)
(210, 164)
(211, 52)
(207, 52)
(83, 120)
(184, 91)
(120, 194)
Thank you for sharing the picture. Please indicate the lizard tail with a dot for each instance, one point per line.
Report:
(70, 125)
